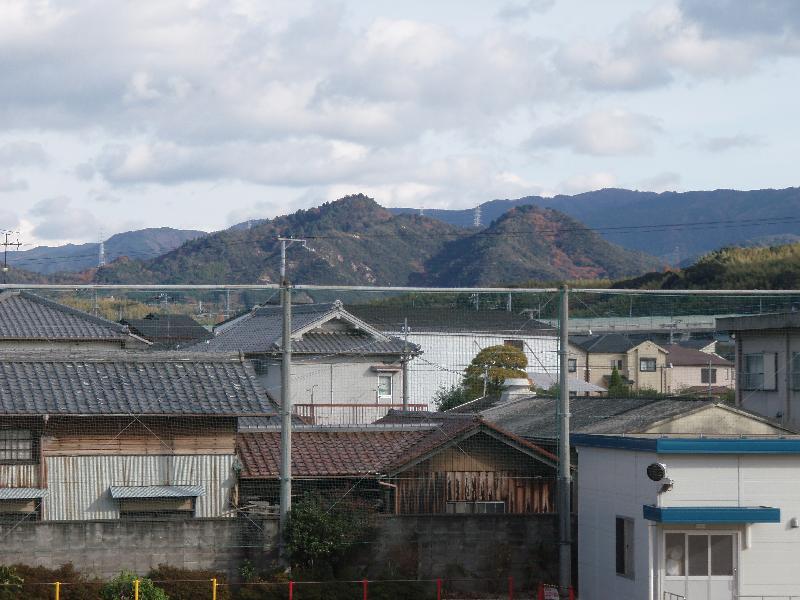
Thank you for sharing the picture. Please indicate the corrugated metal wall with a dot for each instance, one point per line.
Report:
(25, 476)
(79, 485)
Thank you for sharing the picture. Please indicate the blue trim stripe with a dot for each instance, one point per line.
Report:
(712, 514)
(691, 445)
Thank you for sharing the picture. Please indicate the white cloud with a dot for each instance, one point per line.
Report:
(586, 183)
(23, 153)
(724, 143)
(600, 133)
(57, 219)
(666, 181)
(514, 11)
(9, 183)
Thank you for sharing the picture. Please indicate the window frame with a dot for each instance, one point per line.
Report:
(8, 450)
(390, 379)
(707, 373)
(624, 547)
(572, 365)
(648, 360)
(753, 380)
(795, 371)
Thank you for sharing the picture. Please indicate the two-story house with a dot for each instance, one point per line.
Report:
(344, 371)
(643, 364)
(767, 360)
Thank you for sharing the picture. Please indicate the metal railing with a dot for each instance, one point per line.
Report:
(769, 597)
(671, 596)
(348, 414)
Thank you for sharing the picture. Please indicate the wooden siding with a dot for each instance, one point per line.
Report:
(129, 436)
(424, 492)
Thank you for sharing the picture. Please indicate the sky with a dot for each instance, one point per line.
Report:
(119, 115)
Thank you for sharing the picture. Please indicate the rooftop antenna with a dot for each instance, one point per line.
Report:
(476, 216)
(6, 245)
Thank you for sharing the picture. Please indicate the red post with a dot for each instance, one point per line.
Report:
(291, 589)
(571, 593)
(510, 588)
(365, 584)
(540, 592)
(438, 589)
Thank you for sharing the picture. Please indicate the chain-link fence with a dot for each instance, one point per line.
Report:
(141, 429)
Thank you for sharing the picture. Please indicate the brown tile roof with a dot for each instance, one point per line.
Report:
(317, 452)
(681, 356)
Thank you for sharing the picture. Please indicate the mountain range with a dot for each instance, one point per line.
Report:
(355, 241)
(674, 226)
(74, 258)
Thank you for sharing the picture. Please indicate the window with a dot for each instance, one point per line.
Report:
(796, 370)
(518, 344)
(616, 364)
(15, 445)
(647, 364)
(708, 375)
(385, 386)
(14, 511)
(478, 508)
(698, 555)
(753, 372)
(145, 509)
(572, 365)
(624, 546)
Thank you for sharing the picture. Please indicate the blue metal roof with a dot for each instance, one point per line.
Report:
(712, 514)
(22, 493)
(157, 491)
(771, 445)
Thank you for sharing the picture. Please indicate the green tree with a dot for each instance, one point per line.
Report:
(121, 588)
(617, 388)
(496, 364)
(447, 398)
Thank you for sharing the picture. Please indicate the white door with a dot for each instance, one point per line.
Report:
(700, 565)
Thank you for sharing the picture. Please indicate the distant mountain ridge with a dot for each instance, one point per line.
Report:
(355, 241)
(632, 218)
(74, 258)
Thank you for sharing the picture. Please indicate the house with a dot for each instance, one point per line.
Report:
(461, 464)
(643, 364)
(168, 331)
(344, 370)
(121, 435)
(451, 337)
(689, 518)
(767, 358)
(29, 322)
(534, 417)
(696, 372)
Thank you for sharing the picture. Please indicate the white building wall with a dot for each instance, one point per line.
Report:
(686, 377)
(445, 356)
(613, 483)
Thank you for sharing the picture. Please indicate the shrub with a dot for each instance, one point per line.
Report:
(188, 584)
(39, 583)
(10, 583)
(121, 588)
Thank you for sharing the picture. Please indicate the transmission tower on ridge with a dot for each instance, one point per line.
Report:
(476, 216)
(101, 259)
(6, 245)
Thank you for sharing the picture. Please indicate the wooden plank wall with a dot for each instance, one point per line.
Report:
(425, 492)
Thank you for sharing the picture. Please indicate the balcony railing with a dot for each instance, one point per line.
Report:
(348, 414)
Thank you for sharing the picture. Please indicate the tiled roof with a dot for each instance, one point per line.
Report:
(606, 343)
(26, 316)
(169, 331)
(156, 491)
(317, 452)
(122, 383)
(261, 331)
(680, 356)
(449, 320)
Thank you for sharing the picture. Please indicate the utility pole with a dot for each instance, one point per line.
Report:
(405, 363)
(6, 245)
(286, 400)
(564, 474)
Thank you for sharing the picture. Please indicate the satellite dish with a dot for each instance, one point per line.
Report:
(657, 471)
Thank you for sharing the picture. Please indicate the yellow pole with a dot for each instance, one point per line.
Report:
(135, 589)
(214, 589)
(58, 590)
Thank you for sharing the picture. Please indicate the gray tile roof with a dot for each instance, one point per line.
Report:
(123, 383)
(168, 331)
(11, 493)
(261, 330)
(26, 316)
(606, 343)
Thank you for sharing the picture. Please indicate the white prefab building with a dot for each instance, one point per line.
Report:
(688, 518)
(449, 338)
